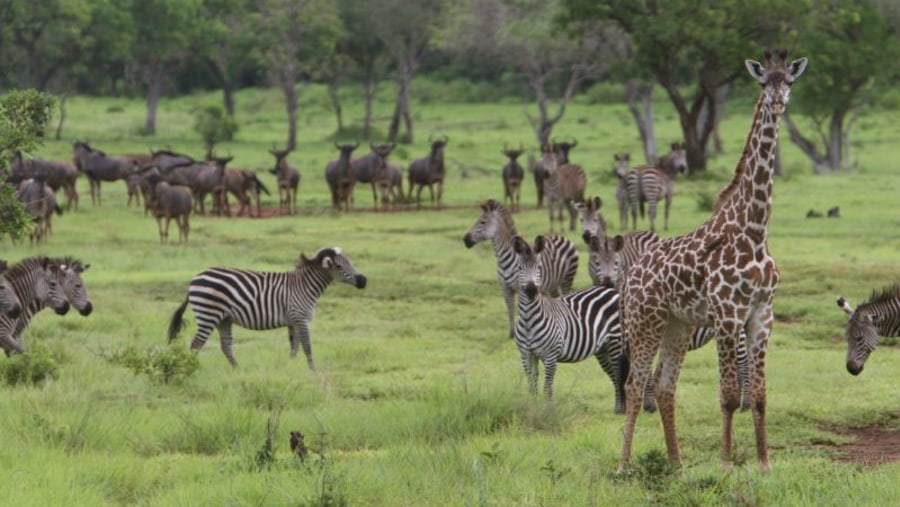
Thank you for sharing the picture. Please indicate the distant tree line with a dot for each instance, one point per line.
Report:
(544, 51)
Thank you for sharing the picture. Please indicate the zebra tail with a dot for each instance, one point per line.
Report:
(177, 322)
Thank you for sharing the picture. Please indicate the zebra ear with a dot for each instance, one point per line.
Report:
(594, 244)
(327, 261)
(538, 244)
(598, 202)
(618, 243)
(520, 245)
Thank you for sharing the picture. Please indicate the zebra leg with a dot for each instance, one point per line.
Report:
(225, 341)
(668, 205)
(549, 373)
(649, 398)
(300, 337)
(610, 365)
(651, 214)
(743, 371)
(727, 335)
(530, 363)
(508, 298)
(759, 328)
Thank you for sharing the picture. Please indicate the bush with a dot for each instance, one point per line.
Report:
(32, 367)
(163, 364)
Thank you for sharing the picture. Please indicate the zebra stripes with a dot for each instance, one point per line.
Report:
(220, 297)
(878, 316)
(9, 302)
(650, 184)
(561, 256)
(563, 329)
(35, 282)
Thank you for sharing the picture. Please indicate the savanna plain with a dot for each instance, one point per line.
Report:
(419, 397)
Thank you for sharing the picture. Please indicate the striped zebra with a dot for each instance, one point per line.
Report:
(609, 259)
(565, 329)
(650, 184)
(35, 282)
(561, 256)
(879, 316)
(9, 302)
(592, 221)
(220, 297)
(621, 171)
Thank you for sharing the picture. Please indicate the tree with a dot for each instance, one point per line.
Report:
(162, 29)
(214, 124)
(707, 40)
(23, 117)
(853, 46)
(292, 31)
(405, 29)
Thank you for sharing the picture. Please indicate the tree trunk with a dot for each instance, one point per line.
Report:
(290, 104)
(336, 104)
(640, 103)
(370, 99)
(62, 116)
(820, 162)
(836, 140)
(401, 109)
(154, 92)
(228, 96)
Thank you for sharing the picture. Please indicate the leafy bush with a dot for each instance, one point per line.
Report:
(163, 364)
(32, 367)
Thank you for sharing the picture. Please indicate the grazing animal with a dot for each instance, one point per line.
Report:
(340, 176)
(220, 297)
(246, 186)
(56, 174)
(621, 171)
(288, 180)
(35, 282)
(99, 167)
(202, 178)
(720, 276)
(9, 302)
(592, 221)
(429, 171)
(560, 258)
(391, 185)
(564, 329)
(650, 184)
(40, 202)
(513, 173)
(169, 202)
(542, 168)
(879, 316)
(372, 168)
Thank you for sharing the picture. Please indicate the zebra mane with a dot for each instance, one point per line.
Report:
(67, 261)
(888, 293)
(502, 212)
(317, 259)
(24, 266)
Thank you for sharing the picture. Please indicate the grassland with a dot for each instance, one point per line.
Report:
(420, 398)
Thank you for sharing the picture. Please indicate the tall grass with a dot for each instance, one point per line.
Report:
(420, 398)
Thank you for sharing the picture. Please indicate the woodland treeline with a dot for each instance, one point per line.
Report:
(544, 51)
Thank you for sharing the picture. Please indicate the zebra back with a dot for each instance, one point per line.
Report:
(9, 301)
(610, 258)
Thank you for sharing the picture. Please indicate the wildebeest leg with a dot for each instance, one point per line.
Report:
(225, 340)
(159, 227)
(440, 192)
(300, 337)
(185, 226)
(419, 188)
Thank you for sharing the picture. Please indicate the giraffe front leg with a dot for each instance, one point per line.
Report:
(671, 356)
(300, 337)
(641, 347)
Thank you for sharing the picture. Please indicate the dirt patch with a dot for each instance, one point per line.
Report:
(871, 446)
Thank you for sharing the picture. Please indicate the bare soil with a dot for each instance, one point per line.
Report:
(873, 445)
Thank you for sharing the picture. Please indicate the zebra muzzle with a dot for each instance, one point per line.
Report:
(360, 282)
(88, 308)
(531, 290)
(62, 309)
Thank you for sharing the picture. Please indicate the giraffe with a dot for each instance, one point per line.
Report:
(720, 275)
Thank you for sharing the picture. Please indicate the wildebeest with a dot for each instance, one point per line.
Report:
(202, 178)
(98, 166)
(340, 176)
(391, 186)
(429, 171)
(288, 180)
(242, 183)
(512, 177)
(56, 174)
(167, 202)
(543, 167)
(40, 203)
(372, 168)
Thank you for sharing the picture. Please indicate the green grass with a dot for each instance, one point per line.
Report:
(420, 397)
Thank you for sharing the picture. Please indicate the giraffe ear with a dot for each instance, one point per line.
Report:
(797, 67)
(755, 68)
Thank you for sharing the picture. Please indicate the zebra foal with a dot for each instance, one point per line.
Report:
(565, 329)
(560, 259)
(35, 282)
(220, 297)
(878, 316)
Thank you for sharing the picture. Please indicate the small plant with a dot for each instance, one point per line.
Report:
(654, 470)
(330, 484)
(214, 125)
(31, 368)
(166, 365)
(265, 456)
(706, 201)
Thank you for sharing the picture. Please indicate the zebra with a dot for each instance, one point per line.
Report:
(879, 316)
(496, 223)
(592, 221)
(9, 301)
(35, 282)
(621, 171)
(609, 259)
(565, 329)
(651, 183)
(220, 297)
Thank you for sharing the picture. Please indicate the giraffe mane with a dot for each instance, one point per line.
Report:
(729, 190)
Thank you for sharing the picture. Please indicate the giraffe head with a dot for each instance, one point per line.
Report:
(776, 78)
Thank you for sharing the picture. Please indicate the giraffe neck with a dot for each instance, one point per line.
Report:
(747, 201)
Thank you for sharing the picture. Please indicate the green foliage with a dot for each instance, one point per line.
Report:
(172, 364)
(214, 124)
(34, 367)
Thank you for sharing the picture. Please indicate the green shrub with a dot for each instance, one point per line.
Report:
(163, 364)
(32, 367)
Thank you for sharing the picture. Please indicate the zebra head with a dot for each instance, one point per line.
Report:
(72, 285)
(622, 161)
(530, 265)
(47, 289)
(492, 212)
(592, 221)
(339, 267)
(862, 337)
(606, 265)
(9, 302)
(776, 78)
